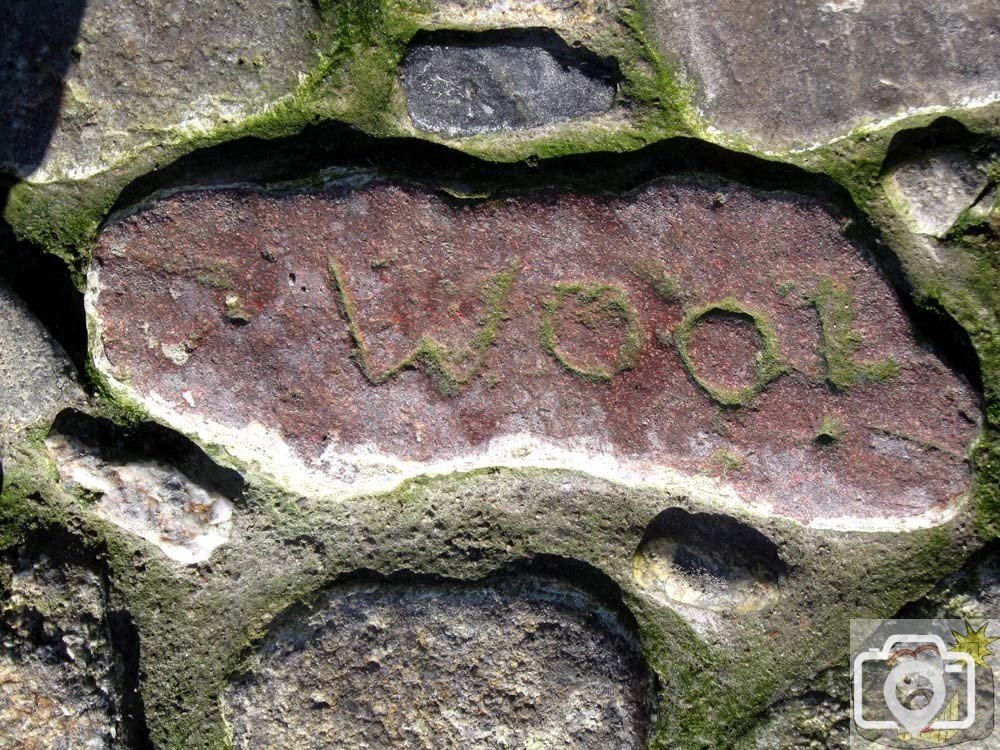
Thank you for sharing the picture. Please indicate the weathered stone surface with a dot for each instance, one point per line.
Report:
(35, 53)
(147, 481)
(932, 192)
(152, 500)
(489, 84)
(986, 205)
(36, 376)
(817, 720)
(144, 73)
(707, 561)
(526, 663)
(789, 74)
(701, 397)
(346, 340)
(972, 593)
(58, 677)
(522, 13)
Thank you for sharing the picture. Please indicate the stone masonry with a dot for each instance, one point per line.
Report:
(530, 375)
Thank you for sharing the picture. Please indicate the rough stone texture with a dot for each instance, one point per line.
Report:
(973, 593)
(36, 377)
(702, 403)
(818, 720)
(789, 74)
(141, 73)
(150, 499)
(35, 53)
(527, 663)
(519, 13)
(481, 87)
(58, 677)
(360, 324)
(986, 205)
(932, 192)
(709, 562)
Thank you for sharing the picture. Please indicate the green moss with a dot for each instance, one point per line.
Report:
(112, 401)
(785, 288)
(667, 287)
(840, 340)
(664, 90)
(218, 275)
(28, 484)
(972, 295)
(830, 431)
(56, 219)
(768, 364)
(986, 462)
(450, 369)
(598, 304)
(725, 462)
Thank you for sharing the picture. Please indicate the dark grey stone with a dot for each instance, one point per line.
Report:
(460, 88)
(59, 676)
(36, 376)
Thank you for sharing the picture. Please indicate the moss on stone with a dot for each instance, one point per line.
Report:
(840, 340)
(450, 369)
(785, 288)
(196, 624)
(768, 364)
(668, 287)
(600, 303)
(964, 288)
(829, 432)
(725, 462)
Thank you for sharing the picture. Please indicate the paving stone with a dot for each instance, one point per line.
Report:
(513, 83)
(526, 663)
(36, 376)
(344, 340)
(787, 74)
(932, 192)
(141, 73)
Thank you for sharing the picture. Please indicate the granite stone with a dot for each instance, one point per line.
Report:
(512, 83)
(59, 677)
(346, 339)
(791, 73)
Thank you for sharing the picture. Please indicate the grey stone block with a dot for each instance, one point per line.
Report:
(460, 86)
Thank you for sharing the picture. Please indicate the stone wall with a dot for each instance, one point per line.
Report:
(447, 374)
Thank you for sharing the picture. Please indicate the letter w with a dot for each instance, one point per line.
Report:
(450, 368)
